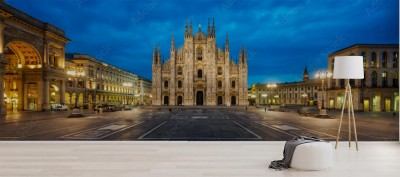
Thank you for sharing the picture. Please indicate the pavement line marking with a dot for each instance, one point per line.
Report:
(113, 127)
(52, 131)
(121, 129)
(199, 117)
(101, 137)
(152, 130)
(314, 131)
(290, 134)
(88, 129)
(258, 137)
(285, 127)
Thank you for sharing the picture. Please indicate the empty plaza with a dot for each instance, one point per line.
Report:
(193, 124)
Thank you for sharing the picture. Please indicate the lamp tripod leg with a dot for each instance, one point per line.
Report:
(348, 111)
(341, 120)
(354, 120)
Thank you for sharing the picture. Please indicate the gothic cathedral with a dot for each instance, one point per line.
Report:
(199, 73)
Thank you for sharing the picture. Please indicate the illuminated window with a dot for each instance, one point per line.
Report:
(373, 60)
(364, 59)
(395, 60)
(384, 60)
(384, 79)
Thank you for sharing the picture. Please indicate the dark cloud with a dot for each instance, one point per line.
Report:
(281, 37)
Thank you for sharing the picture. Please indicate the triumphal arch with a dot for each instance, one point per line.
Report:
(32, 60)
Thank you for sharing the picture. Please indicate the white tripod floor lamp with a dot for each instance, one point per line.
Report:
(348, 67)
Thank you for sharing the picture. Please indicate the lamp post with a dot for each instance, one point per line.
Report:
(323, 75)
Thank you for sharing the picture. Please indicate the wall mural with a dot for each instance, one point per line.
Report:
(241, 71)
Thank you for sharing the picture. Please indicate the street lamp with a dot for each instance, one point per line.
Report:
(323, 75)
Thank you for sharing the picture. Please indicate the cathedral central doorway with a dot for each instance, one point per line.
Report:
(179, 100)
(166, 100)
(233, 100)
(219, 100)
(199, 98)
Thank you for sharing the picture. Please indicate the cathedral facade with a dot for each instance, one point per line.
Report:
(199, 73)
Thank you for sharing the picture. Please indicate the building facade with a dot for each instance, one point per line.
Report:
(145, 96)
(304, 92)
(34, 71)
(92, 82)
(31, 62)
(199, 73)
(379, 90)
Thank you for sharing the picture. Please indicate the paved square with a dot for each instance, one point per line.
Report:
(193, 124)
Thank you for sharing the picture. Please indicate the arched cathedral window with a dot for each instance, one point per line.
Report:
(219, 71)
(199, 53)
(165, 84)
(219, 84)
(233, 84)
(179, 84)
(179, 70)
(199, 73)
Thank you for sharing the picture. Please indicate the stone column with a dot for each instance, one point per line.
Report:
(45, 53)
(3, 63)
(45, 94)
(62, 92)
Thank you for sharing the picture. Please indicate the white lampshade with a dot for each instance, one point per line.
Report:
(348, 67)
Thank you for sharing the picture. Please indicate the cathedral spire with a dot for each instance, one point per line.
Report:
(244, 56)
(159, 54)
(191, 28)
(186, 29)
(305, 74)
(241, 55)
(172, 43)
(208, 28)
(213, 30)
(227, 42)
(155, 54)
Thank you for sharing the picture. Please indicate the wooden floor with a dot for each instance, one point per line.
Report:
(182, 158)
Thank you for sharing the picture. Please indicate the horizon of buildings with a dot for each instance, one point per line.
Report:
(377, 92)
(36, 72)
(33, 82)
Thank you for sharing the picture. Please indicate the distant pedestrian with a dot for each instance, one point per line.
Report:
(265, 109)
(170, 110)
(246, 108)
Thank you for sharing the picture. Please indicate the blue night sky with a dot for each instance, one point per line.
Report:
(281, 37)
